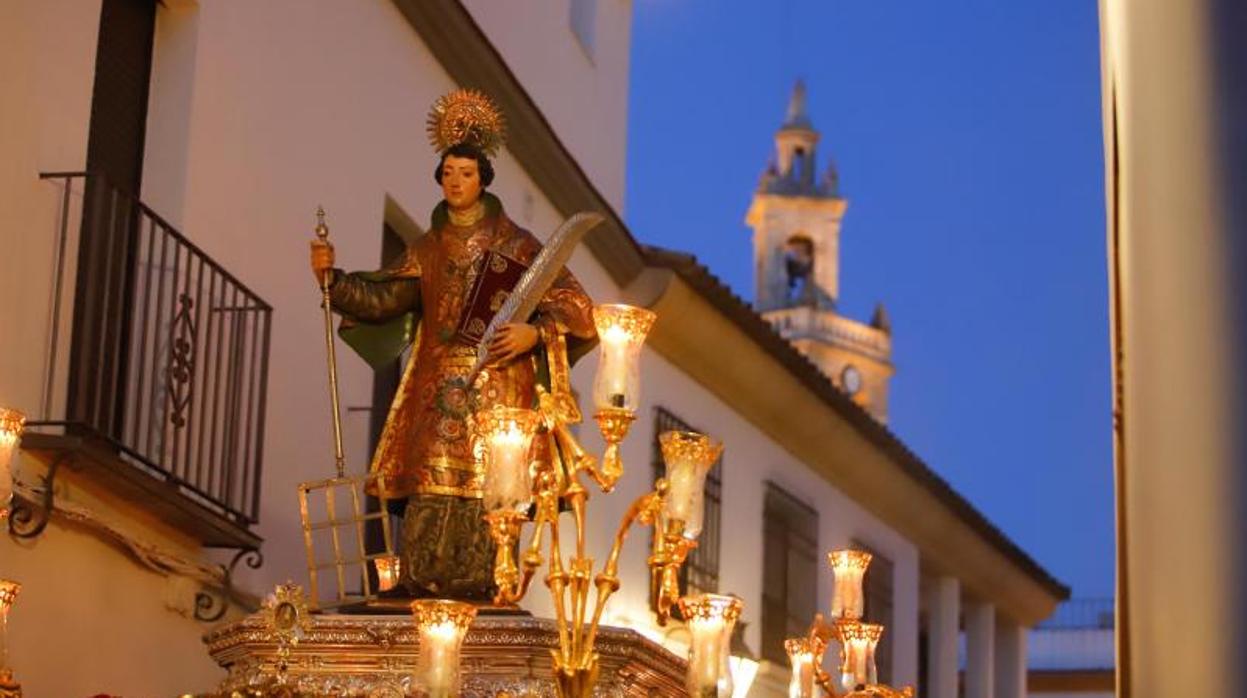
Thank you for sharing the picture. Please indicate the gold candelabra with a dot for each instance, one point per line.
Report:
(673, 507)
(858, 675)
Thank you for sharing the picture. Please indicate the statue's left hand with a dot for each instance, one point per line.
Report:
(512, 340)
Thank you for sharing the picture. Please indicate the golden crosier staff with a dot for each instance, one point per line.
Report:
(322, 236)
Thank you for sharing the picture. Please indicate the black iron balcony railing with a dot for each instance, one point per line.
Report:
(168, 360)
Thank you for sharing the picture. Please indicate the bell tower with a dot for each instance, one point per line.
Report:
(796, 216)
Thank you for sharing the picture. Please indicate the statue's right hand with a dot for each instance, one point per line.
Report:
(322, 259)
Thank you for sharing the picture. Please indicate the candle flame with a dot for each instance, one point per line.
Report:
(615, 335)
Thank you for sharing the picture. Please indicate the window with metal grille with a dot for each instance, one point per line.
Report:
(877, 587)
(700, 572)
(789, 570)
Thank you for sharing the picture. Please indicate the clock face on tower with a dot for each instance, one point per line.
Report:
(851, 380)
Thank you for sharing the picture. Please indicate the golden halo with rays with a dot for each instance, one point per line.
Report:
(466, 116)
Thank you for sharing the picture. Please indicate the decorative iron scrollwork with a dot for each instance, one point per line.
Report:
(210, 608)
(181, 360)
(27, 519)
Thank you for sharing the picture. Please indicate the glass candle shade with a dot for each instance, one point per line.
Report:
(506, 435)
(744, 670)
(621, 330)
(689, 456)
(710, 619)
(441, 626)
(8, 594)
(389, 569)
(848, 568)
(858, 642)
(12, 423)
(805, 654)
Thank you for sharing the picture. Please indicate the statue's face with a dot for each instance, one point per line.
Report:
(461, 182)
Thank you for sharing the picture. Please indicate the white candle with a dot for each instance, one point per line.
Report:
(389, 569)
(710, 619)
(621, 331)
(615, 361)
(854, 673)
(689, 457)
(507, 433)
(848, 570)
(12, 423)
(441, 640)
(705, 654)
(510, 486)
(441, 626)
(858, 641)
(803, 659)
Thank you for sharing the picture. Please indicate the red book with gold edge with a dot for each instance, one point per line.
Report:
(494, 281)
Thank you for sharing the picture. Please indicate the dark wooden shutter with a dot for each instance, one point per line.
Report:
(115, 143)
(790, 570)
(123, 67)
(878, 589)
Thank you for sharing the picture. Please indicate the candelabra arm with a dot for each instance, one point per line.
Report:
(556, 581)
(504, 528)
(547, 513)
(823, 679)
(644, 510)
(670, 550)
(614, 424)
(821, 634)
(581, 461)
(821, 630)
(581, 567)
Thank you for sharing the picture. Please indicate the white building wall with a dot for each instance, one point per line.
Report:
(47, 67)
(582, 90)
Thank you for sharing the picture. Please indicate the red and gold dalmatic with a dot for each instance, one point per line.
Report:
(426, 447)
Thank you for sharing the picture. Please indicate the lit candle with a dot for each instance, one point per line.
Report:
(689, 457)
(710, 619)
(848, 568)
(508, 435)
(441, 626)
(615, 362)
(805, 654)
(858, 641)
(8, 594)
(12, 423)
(389, 568)
(621, 330)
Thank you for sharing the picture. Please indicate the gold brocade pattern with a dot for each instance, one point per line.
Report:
(426, 446)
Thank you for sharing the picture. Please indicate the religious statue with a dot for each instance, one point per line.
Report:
(426, 300)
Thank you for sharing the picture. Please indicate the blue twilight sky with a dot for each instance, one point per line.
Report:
(968, 138)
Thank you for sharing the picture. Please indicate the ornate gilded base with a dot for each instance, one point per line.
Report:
(9, 688)
(373, 656)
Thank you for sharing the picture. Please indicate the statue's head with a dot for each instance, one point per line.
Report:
(465, 127)
(464, 171)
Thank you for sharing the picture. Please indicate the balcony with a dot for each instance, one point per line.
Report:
(159, 394)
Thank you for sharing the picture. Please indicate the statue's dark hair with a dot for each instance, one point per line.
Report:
(463, 150)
